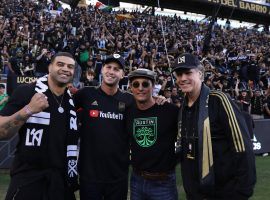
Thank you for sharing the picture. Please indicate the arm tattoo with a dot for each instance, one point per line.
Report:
(11, 127)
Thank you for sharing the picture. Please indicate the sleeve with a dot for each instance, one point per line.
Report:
(236, 129)
(19, 98)
(78, 97)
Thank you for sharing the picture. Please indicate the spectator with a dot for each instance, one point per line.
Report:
(43, 61)
(267, 104)
(3, 96)
(89, 78)
(256, 104)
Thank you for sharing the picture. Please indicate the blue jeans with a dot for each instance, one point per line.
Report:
(142, 189)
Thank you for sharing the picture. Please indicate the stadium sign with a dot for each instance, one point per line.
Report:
(261, 137)
(14, 81)
(250, 6)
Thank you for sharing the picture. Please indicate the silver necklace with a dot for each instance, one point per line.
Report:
(60, 108)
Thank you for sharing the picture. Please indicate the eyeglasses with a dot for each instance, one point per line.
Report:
(137, 84)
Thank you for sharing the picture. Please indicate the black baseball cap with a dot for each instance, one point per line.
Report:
(116, 58)
(141, 72)
(186, 61)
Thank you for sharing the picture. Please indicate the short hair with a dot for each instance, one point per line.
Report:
(90, 72)
(66, 54)
(201, 69)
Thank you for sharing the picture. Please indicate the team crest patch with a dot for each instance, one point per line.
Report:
(145, 131)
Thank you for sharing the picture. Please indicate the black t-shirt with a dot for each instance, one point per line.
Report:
(153, 134)
(55, 155)
(104, 150)
(189, 129)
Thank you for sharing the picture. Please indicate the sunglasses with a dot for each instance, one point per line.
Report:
(137, 84)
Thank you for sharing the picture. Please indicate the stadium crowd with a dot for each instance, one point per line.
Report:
(237, 60)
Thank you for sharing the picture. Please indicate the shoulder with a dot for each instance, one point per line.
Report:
(125, 96)
(89, 88)
(169, 108)
(219, 96)
(86, 90)
(24, 90)
(19, 98)
(218, 99)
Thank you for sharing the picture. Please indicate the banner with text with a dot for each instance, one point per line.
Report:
(14, 81)
(247, 5)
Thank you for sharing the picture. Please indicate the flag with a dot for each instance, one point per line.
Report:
(103, 7)
(124, 16)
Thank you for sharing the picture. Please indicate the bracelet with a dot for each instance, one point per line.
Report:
(28, 110)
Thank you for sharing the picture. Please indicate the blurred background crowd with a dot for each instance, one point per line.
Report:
(236, 60)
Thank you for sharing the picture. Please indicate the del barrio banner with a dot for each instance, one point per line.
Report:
(247, 5)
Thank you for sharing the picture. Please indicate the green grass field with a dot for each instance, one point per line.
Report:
(262, 191)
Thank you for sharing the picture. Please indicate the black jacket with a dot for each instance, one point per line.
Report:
(233, 157)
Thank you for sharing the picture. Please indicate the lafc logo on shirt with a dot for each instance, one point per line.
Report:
(94, 103)
(33, 137)
(181, 60)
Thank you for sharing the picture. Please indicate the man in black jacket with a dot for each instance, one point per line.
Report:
(217, 157)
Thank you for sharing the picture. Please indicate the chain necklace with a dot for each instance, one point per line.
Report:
(60, 108)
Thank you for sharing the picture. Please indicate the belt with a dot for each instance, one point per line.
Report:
(153, 176)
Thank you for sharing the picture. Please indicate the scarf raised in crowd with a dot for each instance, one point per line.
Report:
(205, 157)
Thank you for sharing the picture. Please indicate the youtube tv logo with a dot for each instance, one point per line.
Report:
(105, 115)
(94, 113)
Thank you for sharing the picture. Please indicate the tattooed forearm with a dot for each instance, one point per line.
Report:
(11, 125)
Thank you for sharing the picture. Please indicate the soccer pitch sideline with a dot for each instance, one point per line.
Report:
(262, 191)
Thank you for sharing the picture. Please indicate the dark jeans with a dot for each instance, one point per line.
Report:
(38, 186)
(142, 189)
(30, 191)
(104, 191)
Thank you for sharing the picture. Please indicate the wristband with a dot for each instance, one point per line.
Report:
(28, 110)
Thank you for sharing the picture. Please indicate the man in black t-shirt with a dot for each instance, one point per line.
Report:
(44, 116)
(152, 130)
(104, 147)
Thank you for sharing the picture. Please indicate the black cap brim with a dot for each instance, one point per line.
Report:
(109, 60)
(183, 68)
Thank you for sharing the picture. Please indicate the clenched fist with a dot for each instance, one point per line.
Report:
(38, 103)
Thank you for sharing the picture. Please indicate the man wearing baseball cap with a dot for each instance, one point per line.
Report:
(152, 130)
(116, 58)
(217, 156)
(104, 150)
